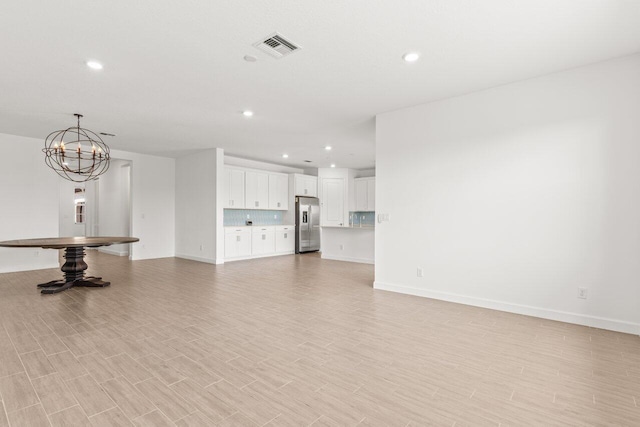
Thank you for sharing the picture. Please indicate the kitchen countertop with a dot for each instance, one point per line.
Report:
(352, 227)
(259, 225)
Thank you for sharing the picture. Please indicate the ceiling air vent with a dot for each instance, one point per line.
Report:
(276, 45)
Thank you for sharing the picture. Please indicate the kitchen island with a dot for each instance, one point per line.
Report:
(351, 243)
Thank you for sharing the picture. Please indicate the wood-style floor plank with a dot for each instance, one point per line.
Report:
(293, 341)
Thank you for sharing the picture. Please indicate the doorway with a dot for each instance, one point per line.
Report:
(101, 207)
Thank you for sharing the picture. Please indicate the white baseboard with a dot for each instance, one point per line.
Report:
(17, 268)
(199, 259)
(544, 313)
(110, 251)
(347, 259)
(244, 258)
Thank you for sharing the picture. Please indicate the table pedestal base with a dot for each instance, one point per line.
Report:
(73, 270)
(56, 286)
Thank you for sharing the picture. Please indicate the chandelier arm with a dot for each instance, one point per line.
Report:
(92, 159)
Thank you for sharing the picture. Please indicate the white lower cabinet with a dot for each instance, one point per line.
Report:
(258, 241)
(285, 239)
(237, 242)
(263, 240)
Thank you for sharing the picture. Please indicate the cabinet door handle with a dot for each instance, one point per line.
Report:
(257, 204)
(264, 237)
(230, 202)
(305, 191)
(237, 238)
(278, 204)
(285, 235)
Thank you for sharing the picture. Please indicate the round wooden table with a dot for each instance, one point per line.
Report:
(74, 266)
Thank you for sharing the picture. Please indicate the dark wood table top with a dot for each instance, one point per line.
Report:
(67, 242)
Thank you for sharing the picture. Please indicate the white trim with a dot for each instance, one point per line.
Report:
(348, 259)
(244, 258)
(15, 269)
(111, 251)
(544, 313)
(197, 258)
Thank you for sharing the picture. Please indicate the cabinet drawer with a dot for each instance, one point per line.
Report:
(262, 229)
(285, 227)
(240, 229)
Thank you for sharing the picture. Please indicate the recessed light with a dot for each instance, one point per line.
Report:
(250, 58)
(411, 56)
(333, 165)
(285, 156)
(247, 113)
(328, 148)
(94, 65)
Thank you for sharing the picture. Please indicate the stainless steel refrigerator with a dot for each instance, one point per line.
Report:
(307, 224)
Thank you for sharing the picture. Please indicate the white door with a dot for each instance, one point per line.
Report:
(231, 245)
(361, 194)
(278, 192)
(234, 188)
(371, 195)
(257, 190)
(311, 186)
(285, 241)
(332, 212)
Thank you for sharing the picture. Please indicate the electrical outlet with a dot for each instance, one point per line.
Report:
(420, 272)
(275, 216)
(248, 216)
(582, 293)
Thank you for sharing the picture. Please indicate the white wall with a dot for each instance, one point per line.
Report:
(29, 192)
(514, 197)
(67, 209)
(113, 207)
(152, 204)
(199, 217)
(254, 164)
(29, 203)
(349, 244)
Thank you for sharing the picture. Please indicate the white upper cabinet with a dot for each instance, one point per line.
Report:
(365, 192)
(234, 188)
(256, 190)
(278, 191)
(332, 211)
(305, 185)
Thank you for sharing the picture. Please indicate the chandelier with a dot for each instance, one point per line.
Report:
(76, 154)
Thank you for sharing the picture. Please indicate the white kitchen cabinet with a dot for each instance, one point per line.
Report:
(305, 185)
(332, 212)
(256, 190)
(278, 191)
(234, 188)
(371, 195)
(263, 241)
(237, 242)
(285, 239)
(365, 194)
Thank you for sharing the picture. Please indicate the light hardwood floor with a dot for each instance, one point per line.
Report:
(293, 341)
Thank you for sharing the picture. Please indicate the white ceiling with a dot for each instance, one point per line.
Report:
(174, 78)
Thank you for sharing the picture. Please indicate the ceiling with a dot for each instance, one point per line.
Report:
(175, 81)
